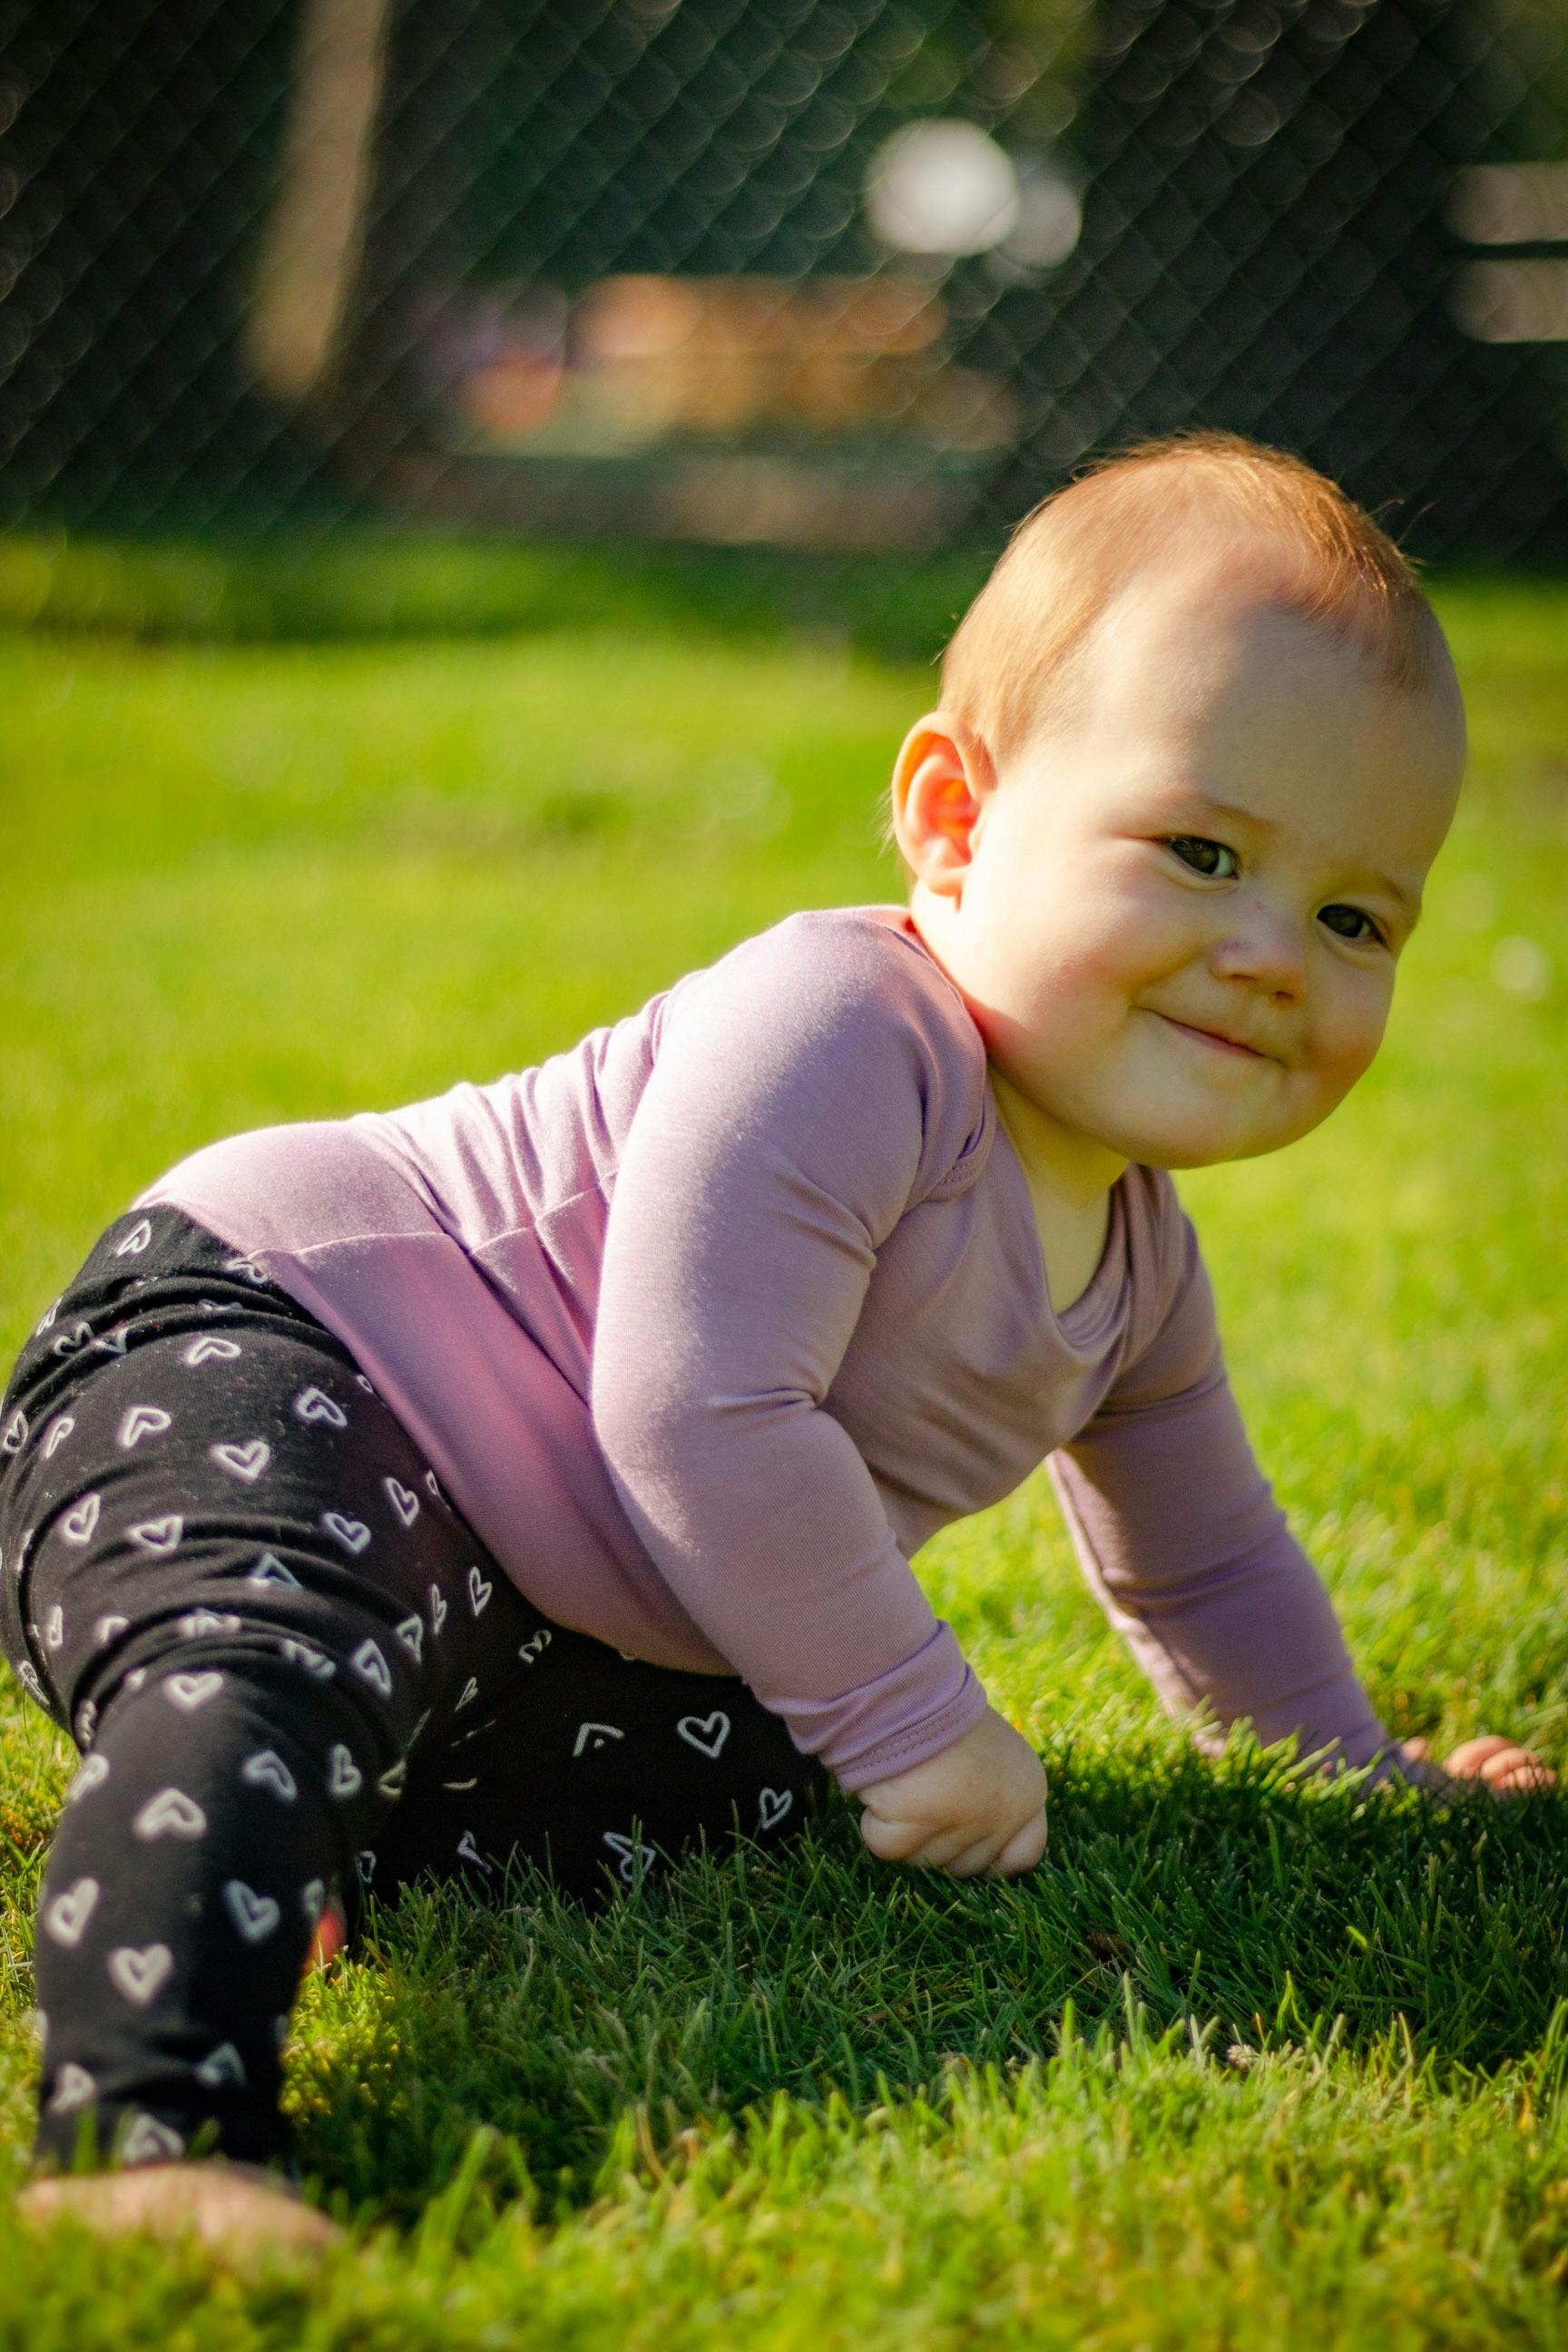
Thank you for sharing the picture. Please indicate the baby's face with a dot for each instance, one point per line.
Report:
(1179, 929)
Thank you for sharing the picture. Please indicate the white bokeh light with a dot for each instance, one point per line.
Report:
(942, 188)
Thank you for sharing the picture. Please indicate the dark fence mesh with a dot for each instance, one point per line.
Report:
(833, 272)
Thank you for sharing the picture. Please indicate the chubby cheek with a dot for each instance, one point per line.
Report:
(1343, 1042)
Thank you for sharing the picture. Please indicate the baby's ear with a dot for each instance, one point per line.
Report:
(941, 778)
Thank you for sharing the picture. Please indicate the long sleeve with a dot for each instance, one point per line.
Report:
(1179, 1535)
(797, 1107)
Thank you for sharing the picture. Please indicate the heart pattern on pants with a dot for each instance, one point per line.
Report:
(79, 1523)
(404, 1501)
(211, 1349)
(706, 1733)
(256, 1916)
(353, 1534)
(187, 1692)
(67, 1917)
(315, 1404)
(246, 1462)
(267, 1770)
(344, 1778)
(171, 1814)
(158, 1536)
(773, 1804)
(138, 1973)
(142, 1420)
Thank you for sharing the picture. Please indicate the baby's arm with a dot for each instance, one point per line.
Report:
(1180, 1535)
(798, 1105)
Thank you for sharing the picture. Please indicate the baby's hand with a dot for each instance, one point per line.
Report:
(1504, 1767)
(978, 1806)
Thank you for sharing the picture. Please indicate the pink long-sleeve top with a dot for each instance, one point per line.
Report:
(708, 1323)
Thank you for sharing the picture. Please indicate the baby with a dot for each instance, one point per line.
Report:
(539, 1468)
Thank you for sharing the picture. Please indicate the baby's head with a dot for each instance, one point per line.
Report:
(1199, 741)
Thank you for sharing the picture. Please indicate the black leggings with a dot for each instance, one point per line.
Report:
(293, 1671)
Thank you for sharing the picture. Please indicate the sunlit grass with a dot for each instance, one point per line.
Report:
(809, 2102)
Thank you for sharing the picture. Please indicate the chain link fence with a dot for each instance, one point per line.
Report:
(838, 273)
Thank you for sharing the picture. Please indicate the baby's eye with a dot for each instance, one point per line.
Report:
(1204, 856)
(1343, 923)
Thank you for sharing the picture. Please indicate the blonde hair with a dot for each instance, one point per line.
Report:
(1020, 648)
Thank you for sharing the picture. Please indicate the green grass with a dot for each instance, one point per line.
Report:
(807, 2100)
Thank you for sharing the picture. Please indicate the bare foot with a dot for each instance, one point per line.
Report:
(235, 2208)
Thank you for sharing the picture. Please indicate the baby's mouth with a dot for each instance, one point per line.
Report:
(1217, 1040)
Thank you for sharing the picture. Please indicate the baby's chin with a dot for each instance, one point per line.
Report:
(1195, 1139)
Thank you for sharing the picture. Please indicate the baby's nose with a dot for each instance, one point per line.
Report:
(1268, 950)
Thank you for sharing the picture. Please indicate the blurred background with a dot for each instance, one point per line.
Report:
(832, 275)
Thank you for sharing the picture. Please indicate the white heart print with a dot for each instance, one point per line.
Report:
(136, 1240)
(74, 2087)
(432, 1488)
(224, 2065)
(158, 1536)
(630, 1852)
(67, 1917)
(92, 1775)
(466, 1696)
(246, 1462)
(55, 1630)
(271, 1570)
(773, 1804)
(55, 1436)
(706, 1733)
(313, 1898)
(142, 1420)
(16, 1432)
(107, 1627)
(171, 1814)
(46, 1320)
(139, 1972)
(592, 1736)
(391, 1782)
(344, 1778)
(149, 2141)
(80, 1521)
(368, 1661)
(211, 1349)
(480, 1591)
(315, 1662)
(438, 1609)
(353, 1534)
(267, 1770)
(187, 1692)
(256, 1916)
(411, 1633)
(535, 1647)
(315, 1404)
(209, 1620)
(404, 1501)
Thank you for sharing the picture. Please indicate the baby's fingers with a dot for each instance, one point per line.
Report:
(1501, 1764)
(1024, 1849)
(892, 1840)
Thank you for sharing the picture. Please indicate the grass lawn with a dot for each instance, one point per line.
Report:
(812, 2101)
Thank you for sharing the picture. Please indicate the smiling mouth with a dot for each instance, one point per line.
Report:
(1212, 1037)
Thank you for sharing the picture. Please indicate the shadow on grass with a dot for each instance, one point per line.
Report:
(1233, 1897)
